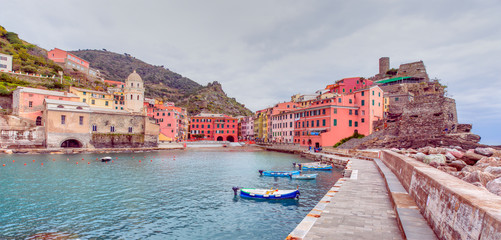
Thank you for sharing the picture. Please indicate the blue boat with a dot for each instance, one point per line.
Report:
(268, 193)
(278, 173)
(316, 167)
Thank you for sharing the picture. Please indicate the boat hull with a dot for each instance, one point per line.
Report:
(304, 177)
(280, 173)
(268, 194)
(317, 167)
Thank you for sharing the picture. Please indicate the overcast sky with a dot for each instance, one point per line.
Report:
(262, 52)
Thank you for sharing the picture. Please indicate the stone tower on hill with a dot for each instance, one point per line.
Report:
(134, 93)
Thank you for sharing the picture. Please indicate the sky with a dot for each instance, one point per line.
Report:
(262, 52)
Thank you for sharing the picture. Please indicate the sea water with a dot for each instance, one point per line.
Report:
(152, 195)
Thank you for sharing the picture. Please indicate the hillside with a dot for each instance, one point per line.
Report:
(162, 83)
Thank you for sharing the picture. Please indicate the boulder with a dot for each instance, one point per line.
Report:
(420, 156)
(479, 176)
(438, 158)
(425, 150)
(458, 164)
(456, 153)
(434, 151)
(450, 157)
(496, 171)
(472, 156)
(488, 161)
(412, 151)
(395, 150)
(470, 169)
(484, 151)
(434, 164)
(494, 186)
(447, 169)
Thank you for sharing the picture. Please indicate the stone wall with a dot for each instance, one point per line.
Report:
(144, 132)
(18, 133)
(453, 208)
(6, 102)
(414, 69)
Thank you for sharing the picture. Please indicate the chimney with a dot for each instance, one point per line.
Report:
(384, 65)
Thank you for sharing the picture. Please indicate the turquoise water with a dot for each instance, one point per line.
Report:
(168, 195)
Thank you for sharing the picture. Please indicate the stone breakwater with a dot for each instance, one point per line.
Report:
(480, 166)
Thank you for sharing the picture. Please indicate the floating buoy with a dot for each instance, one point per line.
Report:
(132, 157)
(112, 161)
(77, 162)
(4, 165)
(144, 156)
(82, 159)
(96, 158)
(13, 160)
(42, 164)
(139, 160)
(67, 159)
(53, 159)
(151, 160)
(24, 164)
(88, 162)
(116, 158)
(33, 160)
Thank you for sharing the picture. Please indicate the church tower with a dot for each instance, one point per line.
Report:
(134, 93)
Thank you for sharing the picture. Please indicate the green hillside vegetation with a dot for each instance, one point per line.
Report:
(160, 82)
(29, 58)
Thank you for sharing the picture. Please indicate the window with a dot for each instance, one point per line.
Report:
(350, 112)
(63, 119)
(334, 122)
(130, 129)
(372, 102)
(84, 100)
(80, 120)
(356, 112)
(84, 93)
(39, 121)
(363, 119)
(30, 104)
(373, 93)
(112, 129)
(363, 112)
(335, 110)
(363, 102)
(396, 99)
(363, 94)
(94, 128)
(137, 97)
(379, 94)
(356, 124)
(323, 122)
(106, 103)
(208, 131)
(318, 123)
(93, 101)
(339, 100)
(349, 123)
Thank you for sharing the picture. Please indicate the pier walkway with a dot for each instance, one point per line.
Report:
(361, 209)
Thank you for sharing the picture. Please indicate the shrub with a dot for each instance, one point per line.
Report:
(13, 38)
(4, 91)
(355, 135)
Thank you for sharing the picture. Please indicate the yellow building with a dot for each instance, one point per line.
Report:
(94, 98)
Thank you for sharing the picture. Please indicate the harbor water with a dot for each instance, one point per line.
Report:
(152, 195)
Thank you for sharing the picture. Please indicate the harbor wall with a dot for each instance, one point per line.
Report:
(453, 208)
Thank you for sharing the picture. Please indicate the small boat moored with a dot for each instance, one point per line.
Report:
(267, 193)
(105, 159)
(316, 166)
(278, 173)
(304, 176)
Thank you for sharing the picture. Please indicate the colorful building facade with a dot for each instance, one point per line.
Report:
(213, 127)
(5, 63)
(94, 98)
(325, 122)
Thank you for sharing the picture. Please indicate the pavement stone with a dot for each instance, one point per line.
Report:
(361, 209)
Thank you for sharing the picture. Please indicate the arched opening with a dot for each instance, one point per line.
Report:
(219, 138)
(309, 142)
(39, 121)
(71, 143)
(230, 139)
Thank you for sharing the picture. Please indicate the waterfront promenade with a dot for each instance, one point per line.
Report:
(361, 209)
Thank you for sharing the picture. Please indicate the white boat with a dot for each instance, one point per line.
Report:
(105, 159)
(304, 176)
(269, 193)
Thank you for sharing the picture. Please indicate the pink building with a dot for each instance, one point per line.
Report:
(348, 85)
(277, 109)
(325, 122)
(169, 119)
(28, 103)
(247, 128)
(69, 60)
(282, 127)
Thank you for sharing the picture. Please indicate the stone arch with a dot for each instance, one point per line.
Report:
(230, 139)
(71, 143)
(220, 138)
